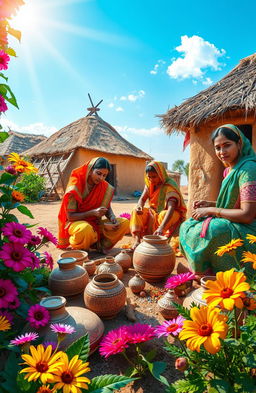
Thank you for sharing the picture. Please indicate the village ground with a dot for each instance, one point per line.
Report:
(45, 215)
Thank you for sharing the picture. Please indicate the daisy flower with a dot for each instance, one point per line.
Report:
(17, 233)
(114, 342)
(138, 333)
(125, 215)
(62, 328)
(228, 248)
(3, 106)
(249, 303)
(34, 241)
(21, 165)
(227, 291)
(45, 389)
(8, 293)
(38, 316)
(18, 196)
(7, 315)
(206, 328)
(4, 59)
(173, 327)
(249, 257)
(4, 324)
(48, 259)
(251, 238)
(179, 279)
(14, 304)
(47, 235)
(15, 256)
(24, 338)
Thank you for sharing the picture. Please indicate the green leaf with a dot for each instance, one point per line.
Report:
(182, 310)
(7, 93)
(43, 289)
(10, 52)
(21, 282)
(108, 383)
(80, 347)
(221, 386)
(3, 76)
(3, 136)
(7, 178)
(173, 350)
(24, 210)
(156, 369)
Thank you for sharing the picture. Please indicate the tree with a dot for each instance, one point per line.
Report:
(180, 166)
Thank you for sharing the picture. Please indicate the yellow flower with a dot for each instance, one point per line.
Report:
(207, 327)
(21, 165)
(249, 257)
(41, 363)
(227, 291)
(69, 376)
(251, 238)
(4, 323)
(229, 247)
(45, 389)
(249, 303)
(18, 196)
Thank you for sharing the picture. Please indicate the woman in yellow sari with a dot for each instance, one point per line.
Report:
(166, 210)
(86, 201)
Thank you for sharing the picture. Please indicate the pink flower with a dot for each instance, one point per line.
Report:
(114, 342)
(3, 106)
(17, 233)
(175, 281)
(35, 262)
(38, 316)
(34, 241)
(173, 327)
(4, 59)
(138, 333)
(8, 293)
(10, 169)
(52, 343)
(125, 215)
(15, 256)
(7, 315)
(48, 259)
(14, 304)
(24, 338)
(47, 236)
(62, 328)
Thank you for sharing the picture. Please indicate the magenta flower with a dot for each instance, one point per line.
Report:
(24, 338)
(114, 342)
(17, 233)
(173, 327)
(7, 315)
(52, 343)
(3, 106)
(47, 236)
(35, 262)
(10, 169)
(138, 333)
(8, 293)
(61, 328)
(38, 316)
(14, 304)
(34, 241)
(48, 259)
(4, 59)
(125, 215)
(179, 279)
(15, 256)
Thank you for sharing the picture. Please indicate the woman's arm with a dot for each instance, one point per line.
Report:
(111, 216)
(77, 216)
(245, 215)
(141, 202)
(170, 209)
(202, 203)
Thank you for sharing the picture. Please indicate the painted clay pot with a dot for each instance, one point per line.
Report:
(154, 259)
(196, 295)
(105, 295)
(136, 283)
(183, 289)
(79, 255)
(124, 260)
(166, 307)
(90, 266)
(83, 320)
(110, 266)
(68, 279)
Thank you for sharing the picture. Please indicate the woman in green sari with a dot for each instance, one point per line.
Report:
(232, 216)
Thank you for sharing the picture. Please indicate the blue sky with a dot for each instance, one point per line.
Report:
(140, 56)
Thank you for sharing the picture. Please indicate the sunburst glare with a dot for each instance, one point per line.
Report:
(28, 18)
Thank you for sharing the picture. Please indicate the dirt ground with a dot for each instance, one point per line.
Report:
(45, 215)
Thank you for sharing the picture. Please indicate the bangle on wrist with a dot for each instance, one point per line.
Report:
(218, 214)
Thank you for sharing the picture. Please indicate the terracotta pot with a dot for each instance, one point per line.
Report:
(90, 266)
(166, 307)
(79, 255)
(183, 289)
(83, 320)
(110, 266)
(105, 295)
(154, 259)
(196, 295)
(136, 283)
(68, 279)
(124, 260)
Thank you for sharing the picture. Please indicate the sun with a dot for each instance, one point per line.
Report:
(28, 18)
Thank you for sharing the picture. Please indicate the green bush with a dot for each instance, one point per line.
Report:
(32, 186)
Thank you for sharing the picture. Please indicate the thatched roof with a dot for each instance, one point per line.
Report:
(236, 91)
(18, 142)
(91, 133)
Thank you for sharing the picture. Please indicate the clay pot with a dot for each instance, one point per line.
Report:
(136, 283)
(105, 295)
(68, 278)
(90, 266)
(154, 259)
(110, 266)
(196, 295)
(79, 255)
(183, 289)
(166, 307)
(124, 260)
(83, 320)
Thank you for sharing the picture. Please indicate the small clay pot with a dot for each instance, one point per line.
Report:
(80, 256)
(183, 289)
(166, 307)
(204, 279)
(110, 266)
(90, 266)
(124, 260)
(136, 283)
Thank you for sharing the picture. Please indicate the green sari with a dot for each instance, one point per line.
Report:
(200, 251)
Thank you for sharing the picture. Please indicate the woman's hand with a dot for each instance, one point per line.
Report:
(201, 212)
(200, 203)
(139, 210)
(99, 212)
(159, 231)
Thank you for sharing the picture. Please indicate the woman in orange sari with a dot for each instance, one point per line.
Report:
(87, 199)
(166, 210)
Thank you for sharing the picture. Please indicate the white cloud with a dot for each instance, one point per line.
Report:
(34, 128)
(197, 55)
(111, 105)
(133, 96)
(119, 109)
(207, 82)
(125, 130)
(123, 98)
(157, 67)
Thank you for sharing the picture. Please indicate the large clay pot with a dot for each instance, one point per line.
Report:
(83, 320)
(90, 266)
(105, 295)
(195, 296)
(79, 255)
(136, 283)
(154, 259)
(110, 266)
(68, 279)
(166, 307)
(124, 260)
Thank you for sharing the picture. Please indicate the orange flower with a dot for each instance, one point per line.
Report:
(21, 165)
(251, 238)
(249, 257)
(228, 248)
(227, 291)
(4, 323)
(207, 327)
(45, 389)
(249, 303)
(18, 196)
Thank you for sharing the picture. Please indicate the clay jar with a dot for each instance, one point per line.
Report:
(79, 255)
(154, 259)
(105, 295)
(136, 283)
(196, 296)
(90, 266)
(124, 260)
(68, 279)
(83, 320)
(166, 307)
(110, 266)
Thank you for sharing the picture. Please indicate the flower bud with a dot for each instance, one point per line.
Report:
(10, 169)
(181, 364)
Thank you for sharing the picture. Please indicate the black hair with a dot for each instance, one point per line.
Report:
(227, 132)
(101, 163)
(150, 168)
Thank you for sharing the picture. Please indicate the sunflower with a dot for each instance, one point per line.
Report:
(4, 323)
(21, 165)
(207, 327)
(69, 374)
(41, 363)
(249, 257)
(228, 248)
(227, 291)
(18, 196)
(251, 238)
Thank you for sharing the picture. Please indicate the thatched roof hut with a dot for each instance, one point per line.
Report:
(18, 142)
(231, 100)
